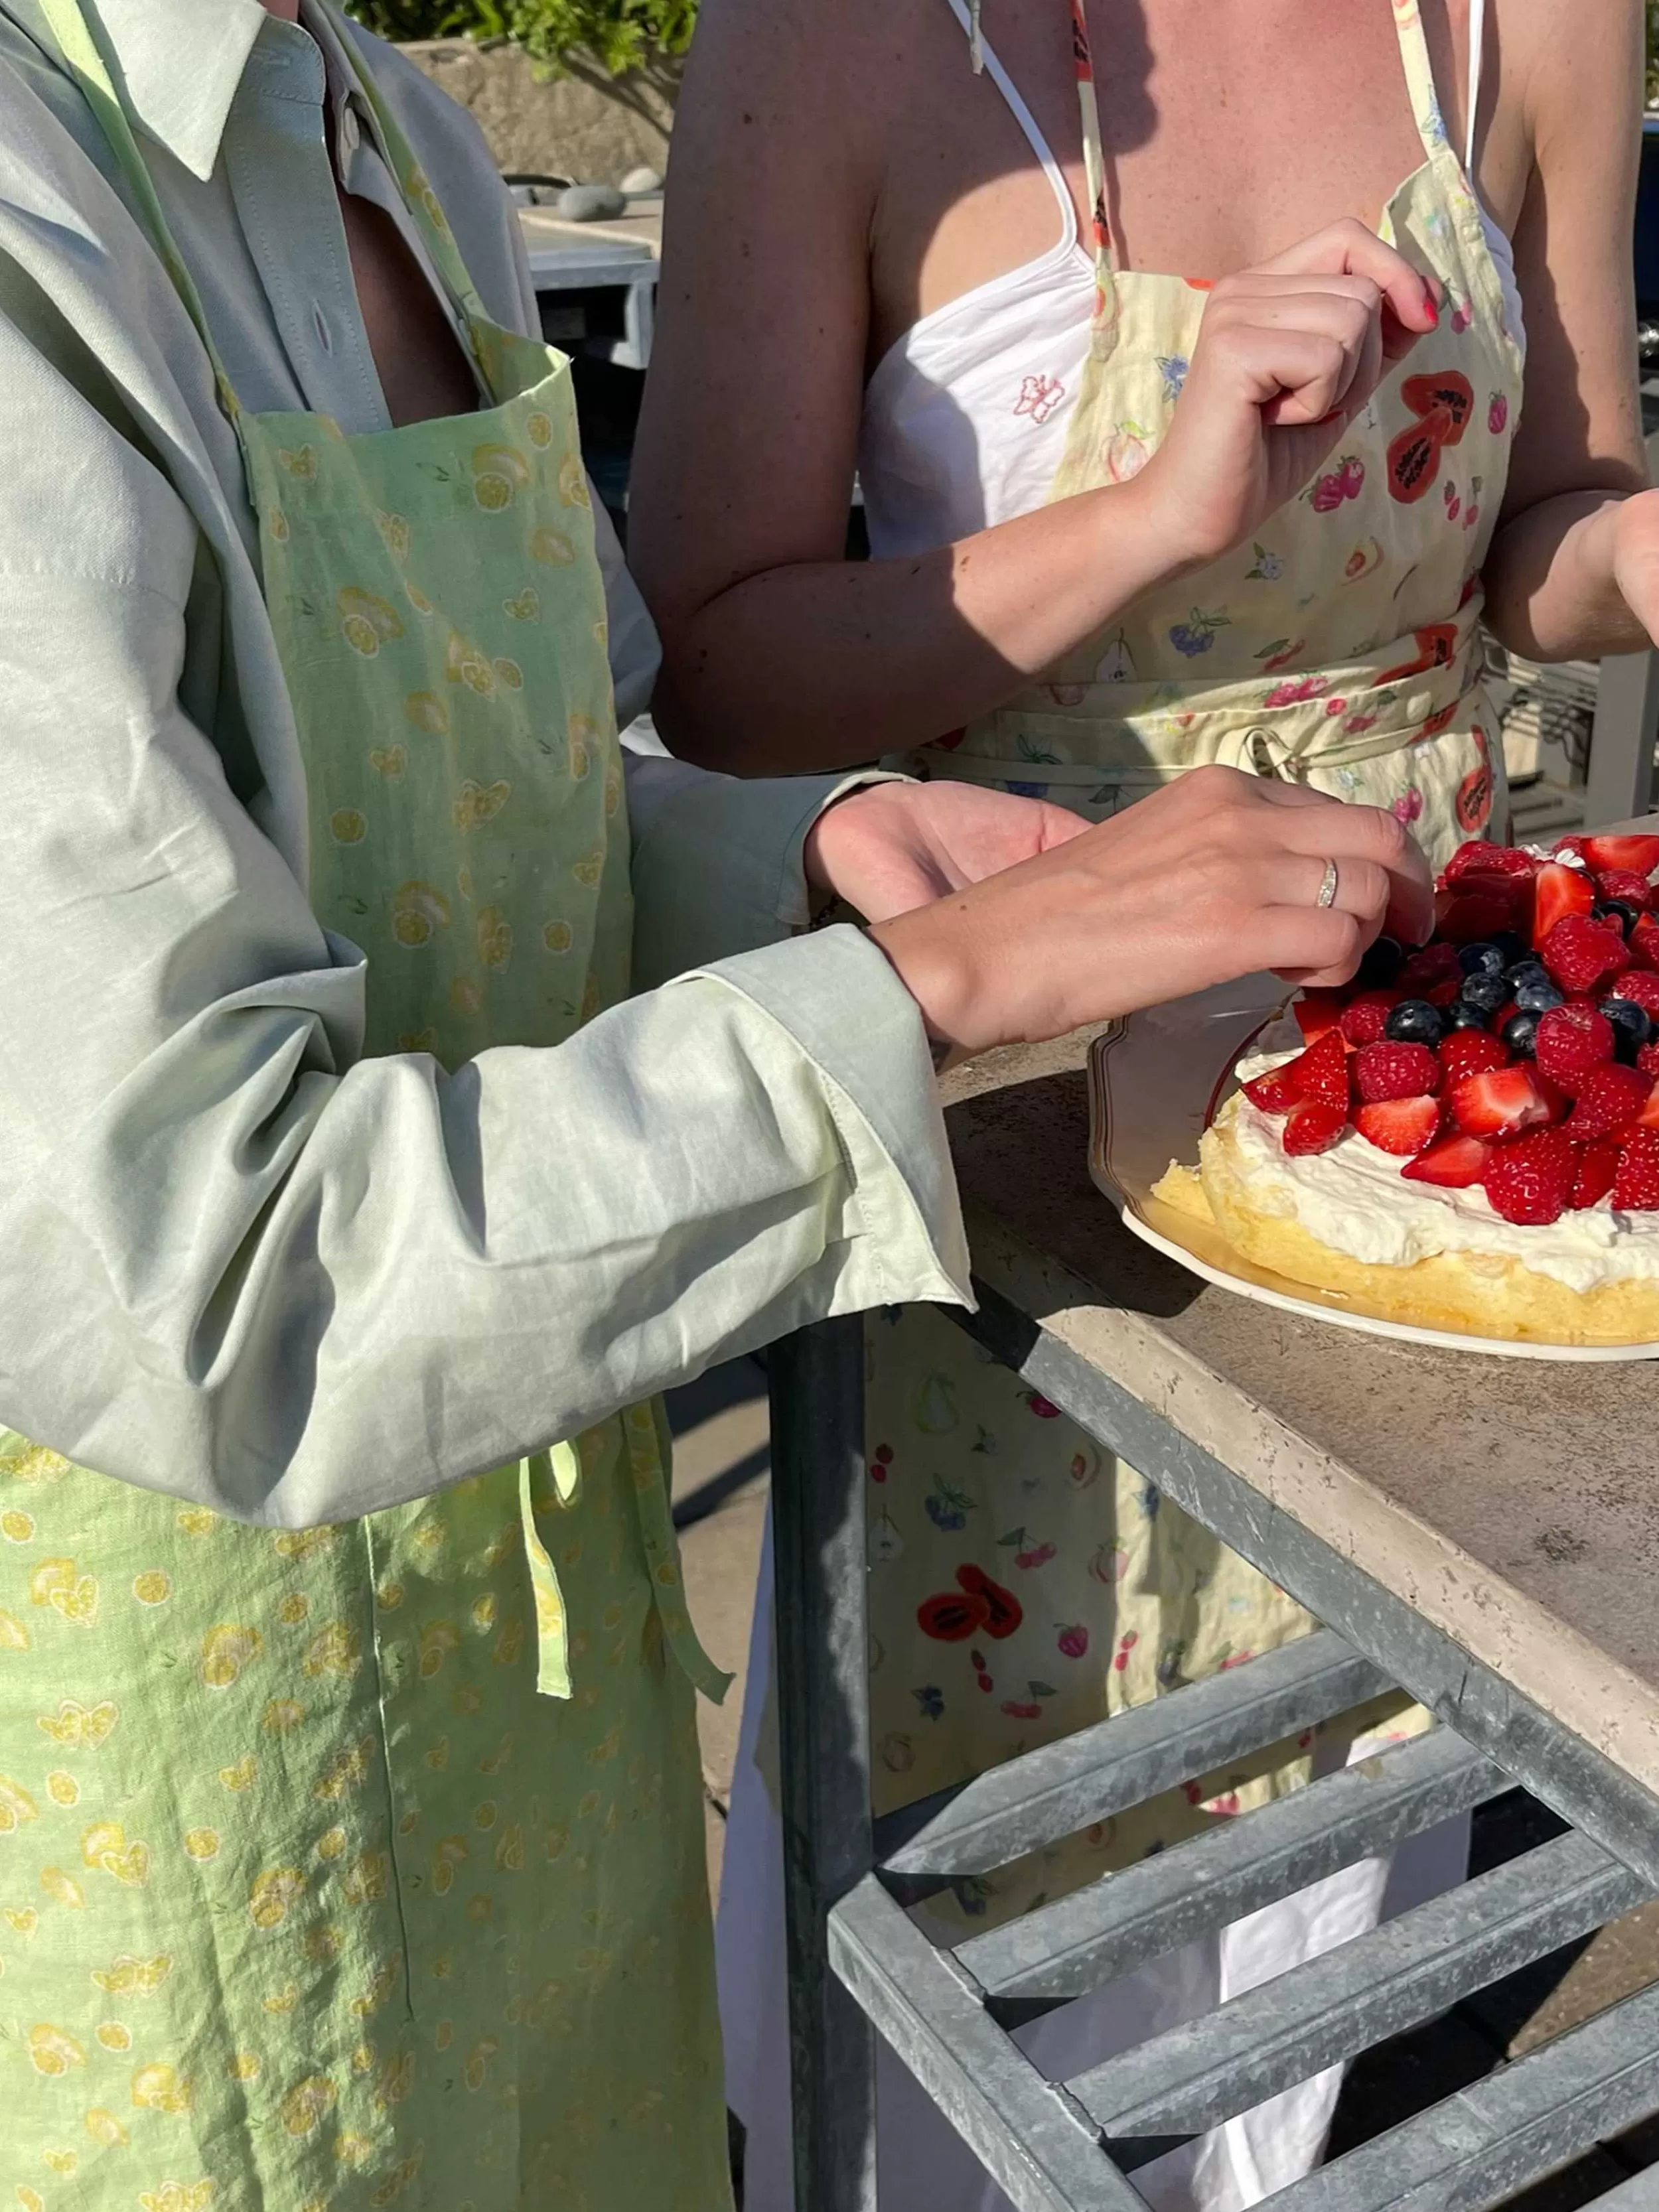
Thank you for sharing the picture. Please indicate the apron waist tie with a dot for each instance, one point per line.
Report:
(648, 1458)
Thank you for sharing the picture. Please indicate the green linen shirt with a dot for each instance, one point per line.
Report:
(240, 1262)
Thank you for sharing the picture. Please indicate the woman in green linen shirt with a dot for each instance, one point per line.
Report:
(307, 1896)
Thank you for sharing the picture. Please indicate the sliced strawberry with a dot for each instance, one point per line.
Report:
(1472, 1052)
(1394, 1071)
(1532, 1180)
(1432, 963)
(1598, 1164)
(1314, 1128)
(1570, 1041)
(1275, 1092)
(1558, 891)
(1582, 954)
(1623, 884)
(1609, 1100)
(1478, 858)
(1636, 1186)
(1641, 988)
(1648, 1059)
(1317, 1013)
(1455, 1164)
(1645, 942)
(1639, 854)
(1649, 1116)
(1500, 1104)
(1402, 1126)
(1321, 1072)
(1472, 914)
(1362, 1019)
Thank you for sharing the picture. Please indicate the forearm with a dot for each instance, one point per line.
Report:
(1552, 592)
(821, 664)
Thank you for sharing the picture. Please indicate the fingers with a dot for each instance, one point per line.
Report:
(1302, 376)
(1351, 249)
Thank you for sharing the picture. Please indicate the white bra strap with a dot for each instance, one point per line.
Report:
(1477, 56)
(967, 18)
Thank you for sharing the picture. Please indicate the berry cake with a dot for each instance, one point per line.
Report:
(1466, 1137)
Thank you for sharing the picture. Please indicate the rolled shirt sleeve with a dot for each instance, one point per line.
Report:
(245, 1265)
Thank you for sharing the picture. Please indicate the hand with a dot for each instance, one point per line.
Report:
(1287, 356)
(1214, 876)
(893, 846)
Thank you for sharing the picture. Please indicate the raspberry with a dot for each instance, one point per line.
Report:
(1321, 1072)
(1314, 1128)
(1444, 994)
(1598, 1164)
(1401, 1126)
(1394, 1071)
(1636, 1186)
(1532, 1180)
(1609, 1099)
(1642, 989)
(1454, 1163)
(1275, 1092)
(1434, 963)
(1500, 1104)
(1472, 1052)
(1478, 858)
(1572, 1040)
(1581, 953)
(1363, 1017)
(1624, 884)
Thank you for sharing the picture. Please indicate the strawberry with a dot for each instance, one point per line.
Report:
(1609, 1099)
(1478, 858)
(1639, 854)
(1570, 1041)
(1641, 988)
(1559, 891)
(1363, 1018)
(1532, 1180)
(1317, 1014)
(1500, 1104)
(1623, 884)
(1648, 1059)
(1399, 1125)
(1394, 1071)
(1275, 1092)
(1645, 942)
(1455, 1164)
(1649, 1116)
(1636, 1186)
(1478, 911)
(1472, 1052)
(1581, 953)
(1321, 1072)
(1432, 963)
(1314, 1128)
(1597, 1166)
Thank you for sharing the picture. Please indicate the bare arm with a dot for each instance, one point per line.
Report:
(779, 655)
(1553, 576)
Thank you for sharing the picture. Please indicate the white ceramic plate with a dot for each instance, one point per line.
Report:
(1155, 1081)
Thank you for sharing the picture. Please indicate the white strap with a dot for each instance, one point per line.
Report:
(1477, 56)
(968, 16)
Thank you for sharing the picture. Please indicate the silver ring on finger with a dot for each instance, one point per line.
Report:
(1328, 886)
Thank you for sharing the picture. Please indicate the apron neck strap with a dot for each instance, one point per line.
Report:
(1094, 169)
(1419, 73)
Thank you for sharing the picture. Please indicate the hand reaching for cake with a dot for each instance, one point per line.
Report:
(1219, 875)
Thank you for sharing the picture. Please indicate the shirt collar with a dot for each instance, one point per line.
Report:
(183, 104)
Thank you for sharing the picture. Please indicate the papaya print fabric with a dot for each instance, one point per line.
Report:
(1024, 1584)
(309, 1895)
(1340, 646)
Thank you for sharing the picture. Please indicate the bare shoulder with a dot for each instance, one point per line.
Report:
(1578, 66)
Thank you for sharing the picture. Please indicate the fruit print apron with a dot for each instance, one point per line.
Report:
(351, 1866)
(1024, 1583)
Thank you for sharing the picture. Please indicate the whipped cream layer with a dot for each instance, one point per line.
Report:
(1354, 1199)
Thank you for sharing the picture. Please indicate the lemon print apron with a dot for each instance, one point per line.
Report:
(1023, 1583)
(363, 1865)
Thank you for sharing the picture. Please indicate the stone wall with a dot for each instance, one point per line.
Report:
(592, 128)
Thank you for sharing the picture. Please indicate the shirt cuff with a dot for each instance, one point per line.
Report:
(837, 998)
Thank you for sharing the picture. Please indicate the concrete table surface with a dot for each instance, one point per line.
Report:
(1513, 1503)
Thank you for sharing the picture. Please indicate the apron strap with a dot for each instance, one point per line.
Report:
(1104, 334)
(1420, 73)
(649, 1457)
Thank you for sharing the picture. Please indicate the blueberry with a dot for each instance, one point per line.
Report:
(1619, 910)
(1513, 946)
(1382, 961)
(1538, 994)
(1521, 1035)
(1527, 970)
(1631, 1026)
(1464, 1014)
(1414, 1021)
(1489, 993)
(1481, 960)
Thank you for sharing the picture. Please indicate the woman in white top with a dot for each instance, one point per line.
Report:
(1109, 546)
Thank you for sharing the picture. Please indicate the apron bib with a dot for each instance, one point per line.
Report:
(329, 1813)
(1341, 648)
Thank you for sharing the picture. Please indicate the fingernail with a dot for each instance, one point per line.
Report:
(1431, 308)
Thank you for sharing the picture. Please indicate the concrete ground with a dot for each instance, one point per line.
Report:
(721, 1470)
